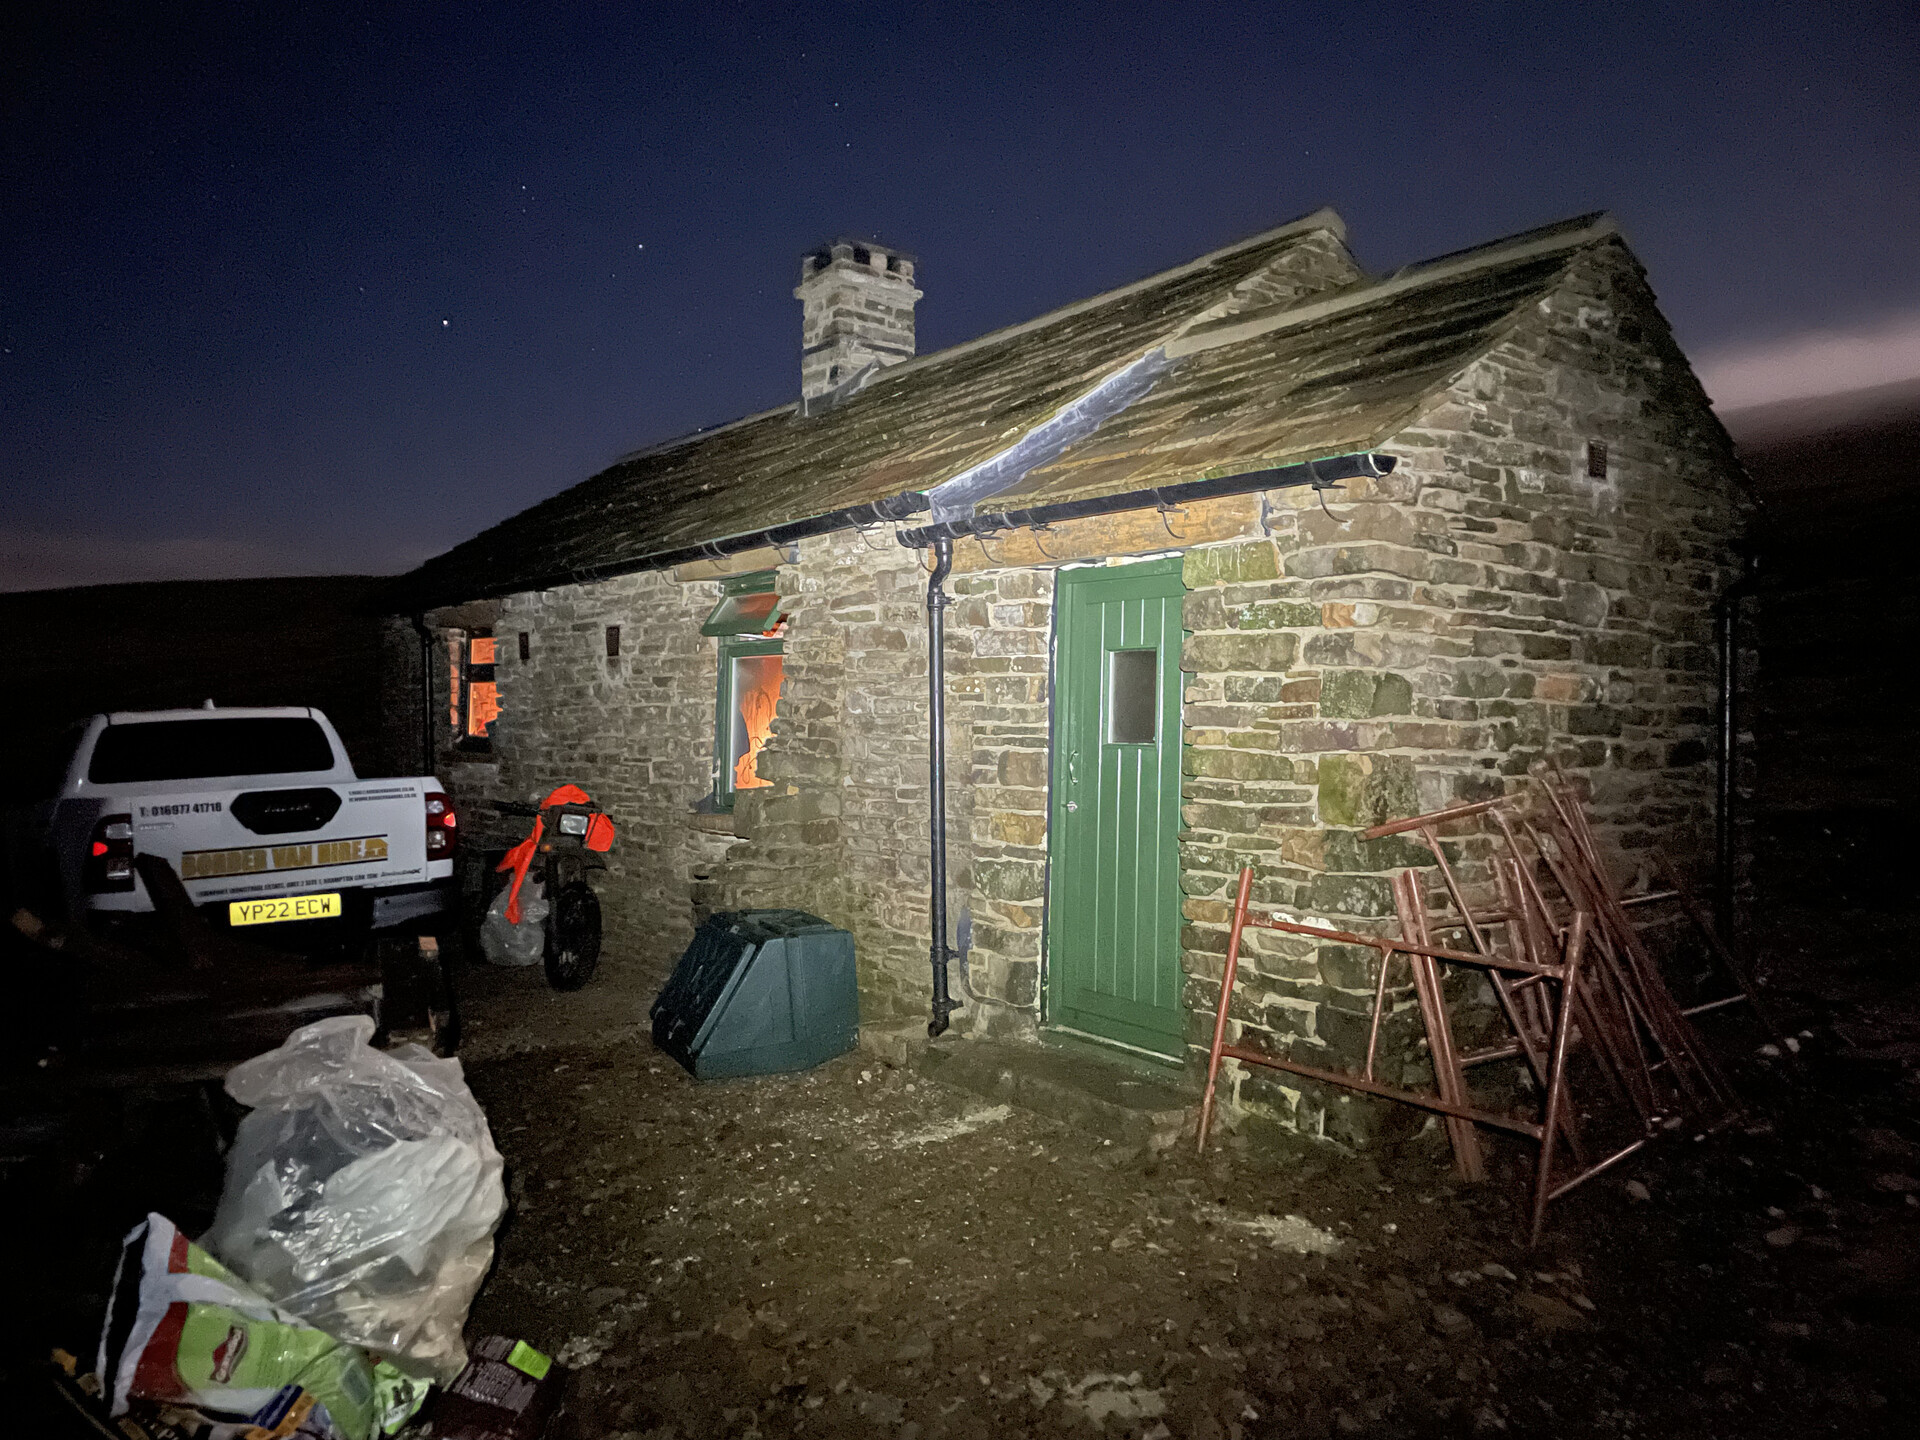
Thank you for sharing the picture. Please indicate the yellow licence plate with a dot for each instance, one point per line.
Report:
(285, 907)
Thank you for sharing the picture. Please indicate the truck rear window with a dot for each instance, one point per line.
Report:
(197, 749)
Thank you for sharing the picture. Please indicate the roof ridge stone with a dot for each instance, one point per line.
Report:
(1207, 335)
(1325, 218)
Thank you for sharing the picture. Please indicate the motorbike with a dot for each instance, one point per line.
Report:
(569, 838)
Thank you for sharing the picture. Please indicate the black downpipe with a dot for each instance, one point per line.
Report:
(426, 693)
(1727, 635)
(938, 952)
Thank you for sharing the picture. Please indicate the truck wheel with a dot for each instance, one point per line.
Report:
(573, 937)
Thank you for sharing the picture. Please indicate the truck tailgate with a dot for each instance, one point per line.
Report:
(243, 844)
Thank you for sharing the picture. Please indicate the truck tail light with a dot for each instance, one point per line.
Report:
(110, 855)
(443, 824)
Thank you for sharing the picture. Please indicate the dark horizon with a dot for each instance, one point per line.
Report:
(333, 290)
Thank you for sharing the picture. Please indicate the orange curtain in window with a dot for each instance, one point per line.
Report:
(758, 695)
(456, 679)
(483, 695)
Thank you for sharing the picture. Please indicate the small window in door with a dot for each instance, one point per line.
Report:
(1133, 693)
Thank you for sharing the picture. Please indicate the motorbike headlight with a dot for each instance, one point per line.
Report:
(573, 824)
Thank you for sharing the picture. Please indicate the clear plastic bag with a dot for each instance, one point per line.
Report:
(362, 1192)
(505, 943)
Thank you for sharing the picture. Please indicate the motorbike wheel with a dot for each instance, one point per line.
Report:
(573, 936)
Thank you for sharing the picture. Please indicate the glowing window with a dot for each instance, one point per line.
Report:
(473, 696)
(755, 683)
(749, 624)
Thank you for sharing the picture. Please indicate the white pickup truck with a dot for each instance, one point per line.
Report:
(257, 810)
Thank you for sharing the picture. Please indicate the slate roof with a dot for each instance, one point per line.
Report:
(1335, 373)
(1333, 376)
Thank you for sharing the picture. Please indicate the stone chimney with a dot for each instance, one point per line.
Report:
(857, 310)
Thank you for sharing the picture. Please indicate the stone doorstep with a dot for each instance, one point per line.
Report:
(1119, 1098)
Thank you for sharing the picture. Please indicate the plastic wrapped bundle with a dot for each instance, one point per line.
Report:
(182, 1330)
(362, 1192)
(505, 941)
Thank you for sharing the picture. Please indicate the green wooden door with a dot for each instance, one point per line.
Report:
(1113, 940)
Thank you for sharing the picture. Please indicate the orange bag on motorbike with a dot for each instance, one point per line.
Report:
(519, 859)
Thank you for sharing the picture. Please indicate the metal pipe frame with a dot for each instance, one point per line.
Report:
(1231, 969)
(1385, 1092)
(1551, 1124)
(1448, 1078)
(1436, 952)
(1439, 1104)
(1575, 1008)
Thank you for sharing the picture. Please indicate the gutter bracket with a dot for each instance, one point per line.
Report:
(1320, 488)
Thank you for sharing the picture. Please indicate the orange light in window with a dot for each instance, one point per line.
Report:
(483, 705)
(456, 676)
(480, 650)
(756, 695)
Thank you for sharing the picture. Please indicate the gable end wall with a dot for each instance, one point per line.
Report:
(1485, 607)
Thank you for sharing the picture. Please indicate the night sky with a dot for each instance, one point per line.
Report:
(299, 289)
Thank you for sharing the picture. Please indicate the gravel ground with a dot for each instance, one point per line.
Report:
(864, 1251)
(860, 1250)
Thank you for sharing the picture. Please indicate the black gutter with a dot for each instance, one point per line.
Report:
(853, 517)
(1727, 636)
(938, 952)
(1320, 474)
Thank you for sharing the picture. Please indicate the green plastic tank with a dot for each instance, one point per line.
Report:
(759, 992)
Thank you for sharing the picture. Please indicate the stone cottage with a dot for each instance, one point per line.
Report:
(1235, 561)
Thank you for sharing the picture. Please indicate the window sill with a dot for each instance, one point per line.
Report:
(719, 822)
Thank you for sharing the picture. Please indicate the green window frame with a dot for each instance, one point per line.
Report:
(748, 606)
(748, 622)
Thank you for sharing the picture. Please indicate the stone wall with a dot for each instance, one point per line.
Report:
(1001, 675)
(842, 830)
(636, 732)
(1488, 606)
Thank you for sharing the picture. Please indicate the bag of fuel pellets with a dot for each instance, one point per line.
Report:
(184, 1330)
